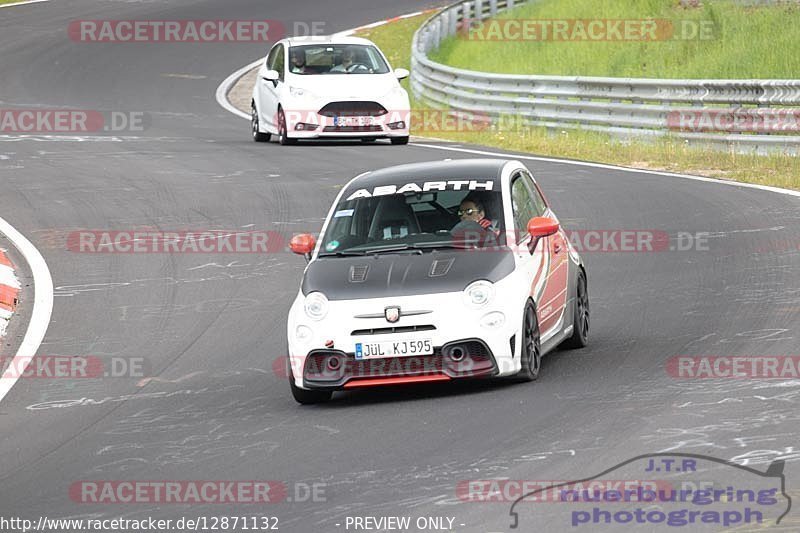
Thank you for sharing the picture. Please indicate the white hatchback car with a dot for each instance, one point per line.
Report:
(432, 272)
(329, 87)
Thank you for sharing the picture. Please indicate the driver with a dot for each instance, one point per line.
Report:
(472, 209)
(297, 60)
(474, 226)
(348, 60)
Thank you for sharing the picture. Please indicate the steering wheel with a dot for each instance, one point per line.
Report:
(357, 66)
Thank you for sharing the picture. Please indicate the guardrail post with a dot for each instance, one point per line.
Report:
(453, 15)
(510, 4)
(479, 9)
(492, 8)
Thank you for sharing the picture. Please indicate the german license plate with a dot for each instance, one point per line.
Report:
(352, 121)
(368, 350)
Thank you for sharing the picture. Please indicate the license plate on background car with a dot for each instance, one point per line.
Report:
(364, 350)
(352, 121)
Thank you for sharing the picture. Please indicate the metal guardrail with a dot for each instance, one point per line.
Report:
(749, 115)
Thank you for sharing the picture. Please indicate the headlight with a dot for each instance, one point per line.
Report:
(479, 293)
(492, 320)
(316, 305)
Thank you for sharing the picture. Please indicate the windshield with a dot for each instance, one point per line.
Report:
(415, 221)
(336, 59)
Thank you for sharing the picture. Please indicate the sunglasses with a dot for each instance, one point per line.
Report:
(469, 212)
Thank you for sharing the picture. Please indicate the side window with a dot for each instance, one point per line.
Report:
(275, 61)
(271, 57)
(540, 206)
(522, 206)
(279, 62)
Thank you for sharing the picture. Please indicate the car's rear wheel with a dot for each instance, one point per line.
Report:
(304, 396)
(399, 140)
(580, 332)
(257, 135)
(283, 136)
(531, 349)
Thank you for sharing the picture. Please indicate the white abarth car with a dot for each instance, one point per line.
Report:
(432, 272)
(329, 87)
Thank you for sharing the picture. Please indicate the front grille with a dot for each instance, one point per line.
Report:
(395, 329)
(352, 129)
(353, 109)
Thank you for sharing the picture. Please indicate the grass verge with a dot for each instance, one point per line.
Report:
(664, 154)
(690, 39)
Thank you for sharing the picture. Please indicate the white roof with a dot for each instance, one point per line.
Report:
(327, 39)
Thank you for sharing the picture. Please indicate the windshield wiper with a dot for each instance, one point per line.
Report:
(461, 245)
(342, 253)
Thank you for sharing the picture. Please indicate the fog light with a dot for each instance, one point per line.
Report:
(302, 126)
(397, 125)
(303, 333)
(493, 320)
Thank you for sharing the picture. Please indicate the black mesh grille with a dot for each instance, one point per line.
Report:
(395, 329)
(353, 109)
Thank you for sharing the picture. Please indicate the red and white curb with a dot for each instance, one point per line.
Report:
(42, 303)
(347, 33)
(9, 291)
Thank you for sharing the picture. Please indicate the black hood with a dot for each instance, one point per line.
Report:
(404, 273)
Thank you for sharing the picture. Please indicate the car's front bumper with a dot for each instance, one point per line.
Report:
(463, 346)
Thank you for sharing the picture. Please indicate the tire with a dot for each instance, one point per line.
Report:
(307, 397)
(531, 348)
(399, 140)
(580, 332)
(283, 137)
(258, 136)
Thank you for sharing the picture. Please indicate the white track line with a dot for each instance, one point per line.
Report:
(26, 2)
(42, 307)
(225, 86)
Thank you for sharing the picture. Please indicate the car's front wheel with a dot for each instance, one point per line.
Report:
(580, 332)
(531, 349)
(399, 140)
(283, 136)
(254, 125)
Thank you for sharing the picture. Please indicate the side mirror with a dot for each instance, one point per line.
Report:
(270, 75)
(401, 73)
(539, 227)
(303, 244)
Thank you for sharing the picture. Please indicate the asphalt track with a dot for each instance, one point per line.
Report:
(211, 326)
